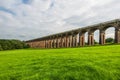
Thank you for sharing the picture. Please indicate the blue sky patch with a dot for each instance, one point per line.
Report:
(7, 10)
(52, 3)
(26, 1)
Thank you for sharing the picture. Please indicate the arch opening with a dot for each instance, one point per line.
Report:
(96, 37)
(110, 35)
(86, 38)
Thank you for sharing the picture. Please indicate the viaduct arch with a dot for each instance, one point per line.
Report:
(74, 38)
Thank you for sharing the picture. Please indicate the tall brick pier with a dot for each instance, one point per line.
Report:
(76, 37)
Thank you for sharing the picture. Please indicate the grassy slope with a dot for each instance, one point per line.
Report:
(89, 63)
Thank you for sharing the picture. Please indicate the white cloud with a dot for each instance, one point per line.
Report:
(44, 17)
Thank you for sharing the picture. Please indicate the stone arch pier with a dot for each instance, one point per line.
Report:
(76, 37)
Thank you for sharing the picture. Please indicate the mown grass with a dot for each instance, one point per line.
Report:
(89, 63)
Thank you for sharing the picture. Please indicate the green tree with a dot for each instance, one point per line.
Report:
(109, 40)
(4, 44)
(95, 42)
(1, 48)
(12, 44)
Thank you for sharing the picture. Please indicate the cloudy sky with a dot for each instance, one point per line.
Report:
(28, 19)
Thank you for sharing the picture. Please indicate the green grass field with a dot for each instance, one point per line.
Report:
(88, 63)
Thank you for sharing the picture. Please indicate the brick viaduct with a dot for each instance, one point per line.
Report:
(76, 37)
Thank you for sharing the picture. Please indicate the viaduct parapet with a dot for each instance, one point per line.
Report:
(76, 37)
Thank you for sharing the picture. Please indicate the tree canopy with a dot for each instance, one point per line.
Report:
(109, 40)
(12, 44)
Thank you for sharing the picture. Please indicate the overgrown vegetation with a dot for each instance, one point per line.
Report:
(86, 63)
(109, 40)
(12, 44)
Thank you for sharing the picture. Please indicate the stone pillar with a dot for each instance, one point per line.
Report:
(53, 43)
(50, 43)
(76, 43)
(67, 41)
(45, 44)
(117, 35)
(102, 37)
(64, 41)
(73, 40)
(61, 41)
(70, 40)
(90, 38)
(81, 39)
(57, 42)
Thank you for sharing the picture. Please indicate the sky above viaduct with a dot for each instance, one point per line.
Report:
(28, 19)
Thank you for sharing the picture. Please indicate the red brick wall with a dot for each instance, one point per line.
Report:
(37, 44)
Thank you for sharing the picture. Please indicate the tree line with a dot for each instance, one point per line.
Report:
(108, 41)
(17, 44)
(12, 44)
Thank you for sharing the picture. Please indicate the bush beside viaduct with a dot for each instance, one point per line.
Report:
(76, 37)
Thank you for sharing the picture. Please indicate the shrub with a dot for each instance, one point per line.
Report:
(12, 44)
(1, 48)
(109, 40)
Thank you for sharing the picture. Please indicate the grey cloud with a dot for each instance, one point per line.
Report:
(45, 17)
(98, 13)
